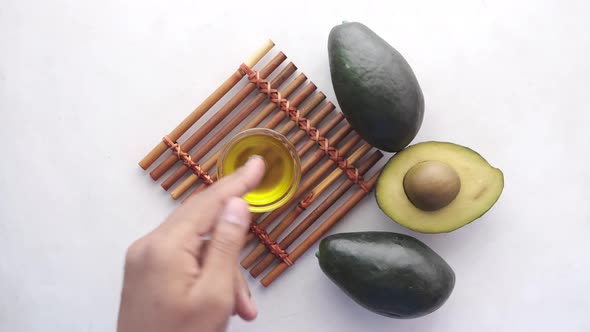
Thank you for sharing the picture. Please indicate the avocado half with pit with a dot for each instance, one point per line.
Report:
(437, 187)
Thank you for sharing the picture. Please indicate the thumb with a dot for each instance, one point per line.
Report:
(227, 240)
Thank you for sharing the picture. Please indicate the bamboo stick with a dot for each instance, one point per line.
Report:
(320, 231)
(229, 126)
(221, 114)
(299, 208)
(195, 115)
(312, 217)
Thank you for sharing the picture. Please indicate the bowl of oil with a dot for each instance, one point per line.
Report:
(283, 166)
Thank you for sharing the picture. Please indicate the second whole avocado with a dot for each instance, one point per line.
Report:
(390, 274)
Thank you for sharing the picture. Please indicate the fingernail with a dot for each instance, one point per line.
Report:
(255, 156)
(254, 159)
(236, 212)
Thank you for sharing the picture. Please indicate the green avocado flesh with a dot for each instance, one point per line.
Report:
(375, 87)
(390, 274)
(481, 186)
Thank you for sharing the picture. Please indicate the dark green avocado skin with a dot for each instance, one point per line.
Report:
(375, 87)
(391, 274)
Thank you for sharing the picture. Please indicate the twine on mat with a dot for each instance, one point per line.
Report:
(187, 160)
(314, 133)
(271, 245)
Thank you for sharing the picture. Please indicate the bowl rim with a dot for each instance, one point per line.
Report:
(285, 141)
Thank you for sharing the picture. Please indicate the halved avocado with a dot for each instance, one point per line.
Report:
(437, 187)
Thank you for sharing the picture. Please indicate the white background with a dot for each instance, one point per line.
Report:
(87, 88)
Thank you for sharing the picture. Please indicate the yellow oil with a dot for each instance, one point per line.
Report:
(279, 175)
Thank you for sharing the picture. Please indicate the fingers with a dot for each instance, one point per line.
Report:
(226, 242)
(245, 307)
(240, 182)
(199, 212)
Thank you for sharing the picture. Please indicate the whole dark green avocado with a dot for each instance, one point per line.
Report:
(375, 87)
(391, 274)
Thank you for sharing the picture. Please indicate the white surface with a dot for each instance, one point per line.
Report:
(86, 89)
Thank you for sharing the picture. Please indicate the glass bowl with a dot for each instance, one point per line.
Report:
(283, 166)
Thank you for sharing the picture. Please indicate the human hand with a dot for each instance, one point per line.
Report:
(175, 280)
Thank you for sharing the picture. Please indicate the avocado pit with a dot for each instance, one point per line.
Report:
(431, 185)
